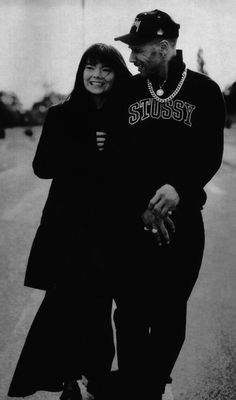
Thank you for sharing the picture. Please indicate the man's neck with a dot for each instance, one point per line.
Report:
(164, 70)
(161, 73)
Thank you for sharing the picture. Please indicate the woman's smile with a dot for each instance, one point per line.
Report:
(98, 78)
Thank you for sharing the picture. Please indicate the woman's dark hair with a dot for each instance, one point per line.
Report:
(98, 52)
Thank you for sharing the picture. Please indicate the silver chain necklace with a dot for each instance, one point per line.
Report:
(155, 95)
(160, 91)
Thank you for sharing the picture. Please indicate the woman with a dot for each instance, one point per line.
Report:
(71, 334)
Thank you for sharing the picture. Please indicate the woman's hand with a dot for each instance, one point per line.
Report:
(100, 138)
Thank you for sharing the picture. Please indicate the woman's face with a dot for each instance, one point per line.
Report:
(98, 78)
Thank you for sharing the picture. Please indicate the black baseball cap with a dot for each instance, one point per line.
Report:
(150, 25)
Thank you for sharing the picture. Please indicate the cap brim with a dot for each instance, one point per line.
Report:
(128, 39)
(132, 39)
(135, 39)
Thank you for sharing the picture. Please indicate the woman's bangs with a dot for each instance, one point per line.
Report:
(99, 56)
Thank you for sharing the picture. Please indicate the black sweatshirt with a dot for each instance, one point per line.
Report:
(179, 142)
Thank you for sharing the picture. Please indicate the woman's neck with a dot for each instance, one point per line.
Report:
(99, 101)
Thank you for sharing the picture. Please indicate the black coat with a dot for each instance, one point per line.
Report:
(67, 153)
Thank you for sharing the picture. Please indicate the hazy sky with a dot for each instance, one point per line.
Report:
(41, 41)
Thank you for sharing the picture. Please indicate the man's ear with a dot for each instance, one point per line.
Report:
(164, 47)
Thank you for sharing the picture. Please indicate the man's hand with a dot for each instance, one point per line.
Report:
(165, 200)
(161, 227)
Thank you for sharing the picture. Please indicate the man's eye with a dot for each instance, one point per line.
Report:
(90, 67)
(106, 69)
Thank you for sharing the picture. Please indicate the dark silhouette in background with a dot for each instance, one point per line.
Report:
(230, 102)
(201, 62)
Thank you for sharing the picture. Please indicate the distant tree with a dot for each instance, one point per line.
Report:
(13, 114)
(27, 119)
(10, 110)
(201, 62)
(39, 109)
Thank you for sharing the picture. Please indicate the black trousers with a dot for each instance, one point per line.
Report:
(151, 296)
(71, 333)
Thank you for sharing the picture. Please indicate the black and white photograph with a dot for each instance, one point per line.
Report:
(117, 199)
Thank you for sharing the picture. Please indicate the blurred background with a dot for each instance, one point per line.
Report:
(41, 43)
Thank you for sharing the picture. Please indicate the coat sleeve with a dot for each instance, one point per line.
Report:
(49, 149)
(199, 157)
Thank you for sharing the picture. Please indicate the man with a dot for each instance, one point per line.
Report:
(172, 136)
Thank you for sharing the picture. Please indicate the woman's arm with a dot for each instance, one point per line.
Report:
(48, 149)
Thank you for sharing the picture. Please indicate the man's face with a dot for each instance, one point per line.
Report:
(146, 57)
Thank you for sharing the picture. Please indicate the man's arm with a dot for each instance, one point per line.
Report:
(196, 160)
